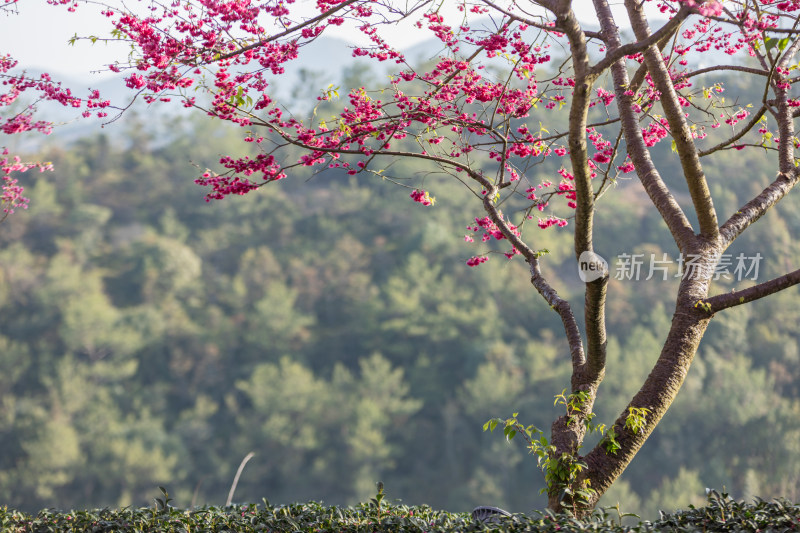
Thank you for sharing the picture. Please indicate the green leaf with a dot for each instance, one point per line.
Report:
(770, 43)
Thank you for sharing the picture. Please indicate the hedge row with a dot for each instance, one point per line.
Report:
(720, 514)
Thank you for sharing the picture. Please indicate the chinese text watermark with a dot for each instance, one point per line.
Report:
(645, 267)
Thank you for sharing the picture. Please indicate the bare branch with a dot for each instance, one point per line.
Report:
(750, 294)
(744, 131)
(513, 16)
(755, 208)
(550, 295)
(560, 306)
(736, 68)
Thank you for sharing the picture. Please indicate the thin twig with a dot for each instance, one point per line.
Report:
(236, 477)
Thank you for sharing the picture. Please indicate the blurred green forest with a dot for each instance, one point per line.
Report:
(330, 325)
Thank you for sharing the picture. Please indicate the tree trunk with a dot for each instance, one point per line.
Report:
(689, 323)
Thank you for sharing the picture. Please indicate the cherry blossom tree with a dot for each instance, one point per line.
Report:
(473, 114)
(20, 96)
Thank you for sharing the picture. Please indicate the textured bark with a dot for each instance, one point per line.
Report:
(568, 433)
(594, 308)
(689, 323)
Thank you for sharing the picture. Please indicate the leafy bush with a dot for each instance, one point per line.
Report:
(721, 514)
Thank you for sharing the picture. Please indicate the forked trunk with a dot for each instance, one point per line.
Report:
(689, 323)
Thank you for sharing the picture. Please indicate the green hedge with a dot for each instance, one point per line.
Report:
(721, 514)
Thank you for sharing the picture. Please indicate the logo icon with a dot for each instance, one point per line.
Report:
(591, 267)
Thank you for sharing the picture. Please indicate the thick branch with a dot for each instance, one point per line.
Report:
(726, 68)
(784, 112)
(595, 318)
(578, 113)
(755, 208)
(679, 128)
(594, 310)
(783, 116)
(659, 389)
(641, 73)
(750, 294)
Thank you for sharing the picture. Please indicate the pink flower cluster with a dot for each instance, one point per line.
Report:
(223, 186)
(739, 115)
(707, 8)
(605, 96)
(458, 111)
(44, 89)
(491, 231)
(477, 260)
(567, 189)
(552, 221)
(655, 131)
(11, 197)
(422, 197)
(626, 167)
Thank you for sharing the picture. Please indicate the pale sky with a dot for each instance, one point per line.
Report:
(37, 36)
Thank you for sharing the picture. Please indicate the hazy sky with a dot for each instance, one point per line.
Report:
(38, 34)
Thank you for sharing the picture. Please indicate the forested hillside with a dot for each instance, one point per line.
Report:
(330, 325)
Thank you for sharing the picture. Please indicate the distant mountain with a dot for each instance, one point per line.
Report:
(320, 63)
(325, 61)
